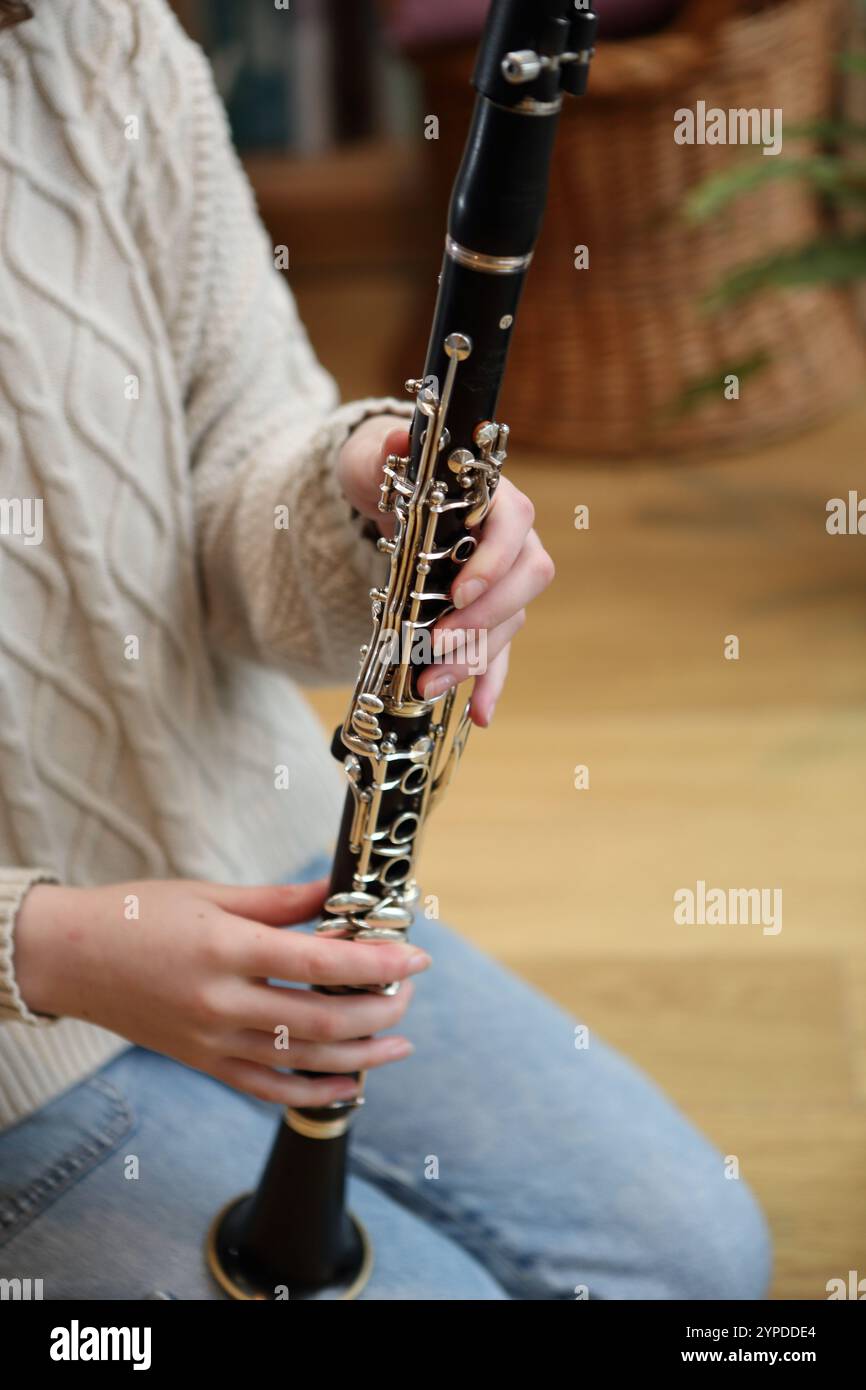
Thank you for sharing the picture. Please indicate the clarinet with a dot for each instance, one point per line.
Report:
(293, 1237)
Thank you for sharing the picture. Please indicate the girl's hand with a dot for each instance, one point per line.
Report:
(182, 968)
(509, 568)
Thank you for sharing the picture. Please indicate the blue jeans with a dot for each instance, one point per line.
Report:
(498, 1162)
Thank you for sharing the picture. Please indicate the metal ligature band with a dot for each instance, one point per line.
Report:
(292, 1236)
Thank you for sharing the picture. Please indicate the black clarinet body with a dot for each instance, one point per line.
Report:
(293, 1237)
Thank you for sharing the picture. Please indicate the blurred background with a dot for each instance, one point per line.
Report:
(698, 387)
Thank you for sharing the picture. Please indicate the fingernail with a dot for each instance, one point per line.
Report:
(438, 685)
(346, 1089)
(469, 591)
(419, 961)
(398, 1048)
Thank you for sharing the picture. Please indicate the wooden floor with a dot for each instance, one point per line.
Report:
(747, 773)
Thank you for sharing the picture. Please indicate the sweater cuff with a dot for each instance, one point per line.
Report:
(14, 885)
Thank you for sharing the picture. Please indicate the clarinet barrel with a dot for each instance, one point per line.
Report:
(292, 1237)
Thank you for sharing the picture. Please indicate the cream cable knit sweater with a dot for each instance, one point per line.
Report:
(159, 398)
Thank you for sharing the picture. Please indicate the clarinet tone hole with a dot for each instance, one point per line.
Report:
(414, 780)
(465, 547)
(407, 819)
(396, 872)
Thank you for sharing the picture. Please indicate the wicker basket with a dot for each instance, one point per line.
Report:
(602, 356)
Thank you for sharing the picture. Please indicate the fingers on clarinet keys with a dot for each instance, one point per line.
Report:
(380, 921)
(363, 965)
(265, 1083)
(332, 1044)
(366, 918)
(350, 1058)
(382, 925)
(338, 1018)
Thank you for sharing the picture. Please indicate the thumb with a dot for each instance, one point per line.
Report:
(362, 460)
(396, 438)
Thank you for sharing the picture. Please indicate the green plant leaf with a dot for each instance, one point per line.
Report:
(828, 175)
(826, 129)
(833, 260)
(711, 387)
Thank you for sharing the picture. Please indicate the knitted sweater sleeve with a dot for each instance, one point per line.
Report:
(14, 885)
(284, 566)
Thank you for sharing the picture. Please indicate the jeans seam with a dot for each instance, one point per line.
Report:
(24, 1206)
(443, 1212)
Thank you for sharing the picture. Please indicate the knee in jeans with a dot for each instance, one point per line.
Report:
(720, 1245)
